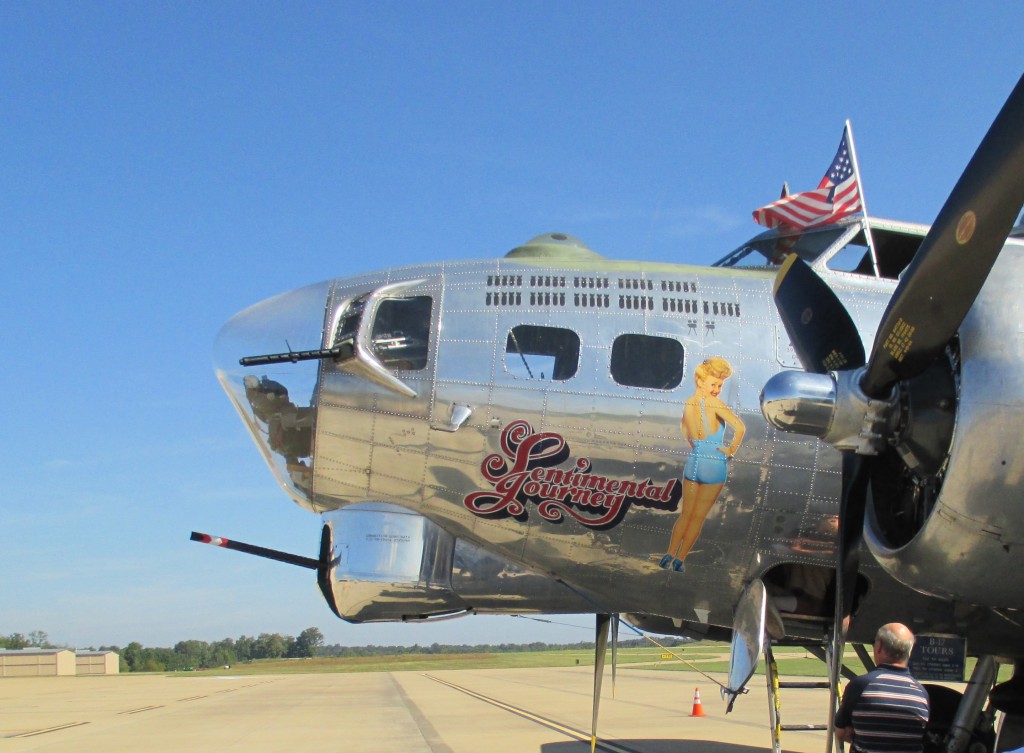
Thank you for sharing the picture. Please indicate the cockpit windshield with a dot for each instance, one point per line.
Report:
(843, 247)
(771, 248)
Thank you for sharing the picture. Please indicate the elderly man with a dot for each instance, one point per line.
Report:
(885, 711)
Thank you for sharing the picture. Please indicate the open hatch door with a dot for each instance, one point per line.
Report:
(748, 631)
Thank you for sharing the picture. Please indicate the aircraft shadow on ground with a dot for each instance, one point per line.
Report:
(652, 746)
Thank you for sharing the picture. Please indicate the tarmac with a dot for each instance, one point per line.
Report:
(453, 711)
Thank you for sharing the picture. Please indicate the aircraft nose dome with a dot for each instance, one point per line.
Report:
(277, 401)
(554, 246)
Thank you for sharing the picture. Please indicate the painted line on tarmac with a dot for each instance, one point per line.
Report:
(138, 710)
(46, 731)
(430, 735)
(541, 720)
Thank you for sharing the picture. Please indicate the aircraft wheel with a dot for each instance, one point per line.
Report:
(1011, 732)
(942, 705)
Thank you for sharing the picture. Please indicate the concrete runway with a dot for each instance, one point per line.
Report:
(465, 711)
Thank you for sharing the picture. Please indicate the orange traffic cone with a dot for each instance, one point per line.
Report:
(698, 709)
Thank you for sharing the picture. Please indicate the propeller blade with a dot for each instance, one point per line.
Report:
(823, 334)
(852, 508)
(940, 285)
(600, 648)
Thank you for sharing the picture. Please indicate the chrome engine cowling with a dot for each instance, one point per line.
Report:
(946, 517)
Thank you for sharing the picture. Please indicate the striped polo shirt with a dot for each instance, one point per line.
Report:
(888, 710)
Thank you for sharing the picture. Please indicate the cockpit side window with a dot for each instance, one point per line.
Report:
(894, 249)
(647, 361)
(401, 332)
(546, 353)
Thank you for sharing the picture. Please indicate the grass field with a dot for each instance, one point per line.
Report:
(712, 658)
(707, 657)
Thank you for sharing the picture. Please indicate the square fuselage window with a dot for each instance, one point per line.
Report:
(546, 353)
(647, 361)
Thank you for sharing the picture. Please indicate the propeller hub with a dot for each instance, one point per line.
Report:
(830, 406)
(799, 402)
(862, 424)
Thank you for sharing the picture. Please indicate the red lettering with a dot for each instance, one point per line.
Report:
(593, 500)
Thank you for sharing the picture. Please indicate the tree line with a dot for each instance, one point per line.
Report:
(483, 648)
(195, 654)
(37, 639)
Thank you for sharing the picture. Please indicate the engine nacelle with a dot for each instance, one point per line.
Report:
(964, 543)
(392, 564)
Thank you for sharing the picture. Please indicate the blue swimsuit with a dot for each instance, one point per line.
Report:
(707, 464)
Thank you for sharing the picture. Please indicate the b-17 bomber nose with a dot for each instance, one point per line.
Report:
(276, 393)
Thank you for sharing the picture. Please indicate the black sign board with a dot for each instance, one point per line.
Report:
(939, 658)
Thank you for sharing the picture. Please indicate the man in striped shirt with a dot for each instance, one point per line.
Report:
(885, 711)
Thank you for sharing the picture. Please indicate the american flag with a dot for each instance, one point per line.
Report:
(837, 196)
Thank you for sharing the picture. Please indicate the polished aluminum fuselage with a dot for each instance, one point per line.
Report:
(426, 443)
(778, 503)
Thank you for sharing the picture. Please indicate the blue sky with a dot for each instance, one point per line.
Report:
(164, 165)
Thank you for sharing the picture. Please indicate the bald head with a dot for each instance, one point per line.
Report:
(893, 644)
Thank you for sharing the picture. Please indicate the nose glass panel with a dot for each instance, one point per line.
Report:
(277, 401)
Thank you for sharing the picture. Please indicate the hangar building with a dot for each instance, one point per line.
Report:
(53, 662)
(97, 663)
(37, 662)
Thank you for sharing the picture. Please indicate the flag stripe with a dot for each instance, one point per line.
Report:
(836, 196)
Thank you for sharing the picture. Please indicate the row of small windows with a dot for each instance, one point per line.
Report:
(401, 331)
(553, 354)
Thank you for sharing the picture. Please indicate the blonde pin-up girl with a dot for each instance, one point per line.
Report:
(705, 418)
